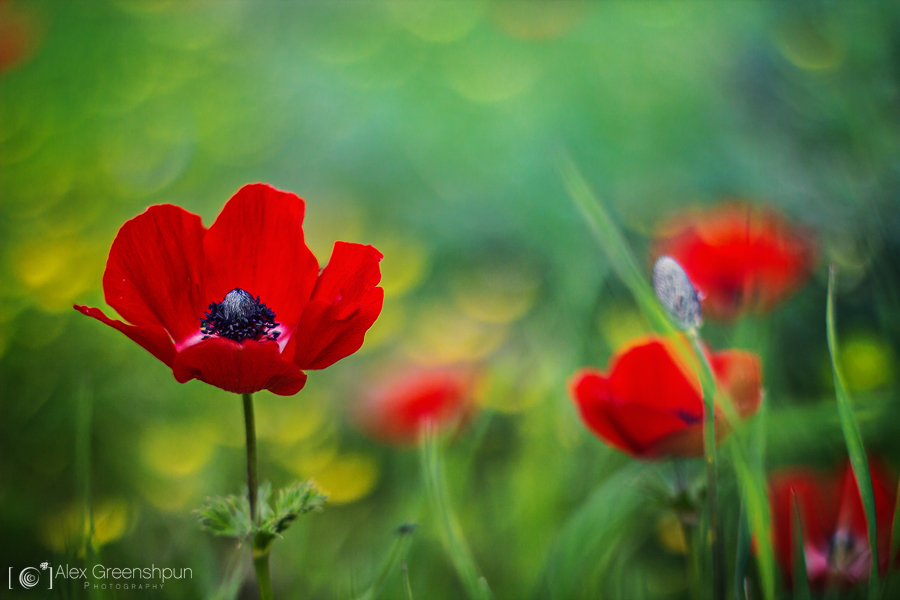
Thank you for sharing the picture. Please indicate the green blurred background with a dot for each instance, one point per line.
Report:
(433, 131)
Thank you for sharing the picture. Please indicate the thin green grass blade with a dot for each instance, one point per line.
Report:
(590, 541)
(451, 531)
(852, 436)
(229, 588)
(407, 589)
(801, 582)
(398, 553)
(626, 267)
(757, 504)
(742, 554)
(609, 237)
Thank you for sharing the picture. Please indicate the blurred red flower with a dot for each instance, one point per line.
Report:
(835, 538)
(738, 257)
(18, 36)
(397, 409)
(242, 305)
(650, 405)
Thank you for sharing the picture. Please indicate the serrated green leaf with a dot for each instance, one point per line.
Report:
(264, 505)
(293, 501)
(227, 516)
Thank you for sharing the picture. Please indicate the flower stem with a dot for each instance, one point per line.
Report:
(252, 480)
(262, 575)
(260, 555)
(709, 450)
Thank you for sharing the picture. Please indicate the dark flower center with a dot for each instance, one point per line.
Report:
(845, 551)
(239, 317)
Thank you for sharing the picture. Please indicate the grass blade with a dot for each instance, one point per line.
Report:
(609, 237)
(407, 589)
(801, 581)
(742, 554)
(451, 531)
(852, 436)
(397, 553)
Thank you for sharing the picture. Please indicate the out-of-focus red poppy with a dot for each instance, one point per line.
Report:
(242, 305)
(649, 405)
(18, 37)
(397, 409)
(835, 538)
(738, 257)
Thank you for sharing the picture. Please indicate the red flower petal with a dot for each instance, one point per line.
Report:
(852, 516)
(240, 368)
(344, 305)
(832, 514)
(397, 409)
(818, 501)
(632, 428)
(740, 374)
(647, 374)
(651, 406)
(257, 244)
(153, 338)
(738, 257)
(152, 277)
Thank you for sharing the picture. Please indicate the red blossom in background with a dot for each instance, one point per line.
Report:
(650, 406)
(18, 36)
(738, 257)
(835, 537)
(241, 305)
(397, 409)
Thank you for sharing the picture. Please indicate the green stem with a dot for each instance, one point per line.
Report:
(262, 575)
(252, 480)
(709, 449)
(260, 555)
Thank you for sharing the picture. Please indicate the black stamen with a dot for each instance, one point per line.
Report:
(239, 317)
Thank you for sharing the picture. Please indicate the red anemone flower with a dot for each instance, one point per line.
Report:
(835, 537)
(396, 410)
(651, 406)
(241, 305)
(738, 257)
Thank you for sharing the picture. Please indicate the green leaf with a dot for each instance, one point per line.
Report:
(263, 502)
(230, 515)
(858, 459)
(227, 516)
(293, 501)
